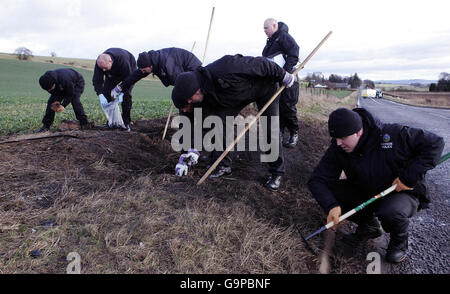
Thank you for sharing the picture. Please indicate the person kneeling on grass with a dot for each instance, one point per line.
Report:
(375, 156)
(65, 86)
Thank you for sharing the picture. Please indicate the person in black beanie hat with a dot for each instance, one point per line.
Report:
(166, 64)
(186, 86)
(47, 81)
(65, 86)
(344, 122)
(374, 156)
(223, 88)
(144, 60)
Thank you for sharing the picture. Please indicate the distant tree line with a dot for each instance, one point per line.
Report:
(354, 81)
(443, 84)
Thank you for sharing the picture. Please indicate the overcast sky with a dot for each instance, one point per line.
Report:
(383, 39)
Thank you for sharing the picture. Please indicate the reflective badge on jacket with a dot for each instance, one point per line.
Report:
(386, 144)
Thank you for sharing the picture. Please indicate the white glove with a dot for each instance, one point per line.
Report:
(288, 80)
(181, 169)
(116, 92)
(192, 157)
(103, 100)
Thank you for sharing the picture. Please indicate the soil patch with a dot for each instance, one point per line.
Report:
(113, 197)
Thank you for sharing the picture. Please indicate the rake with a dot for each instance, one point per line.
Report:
(353, 211)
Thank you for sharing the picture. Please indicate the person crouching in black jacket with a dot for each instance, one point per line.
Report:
(375, 156)
(65, 86)
(112, 67)
(165, 63)
(223, 88)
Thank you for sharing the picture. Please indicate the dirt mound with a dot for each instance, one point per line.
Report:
(49, 178)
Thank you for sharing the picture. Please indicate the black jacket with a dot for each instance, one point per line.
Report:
(232, 80)
(384, 152)
(123, 65)
(282, 43)
(167, 64)
(69, 83)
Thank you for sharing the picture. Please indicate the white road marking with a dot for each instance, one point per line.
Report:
(375, 101)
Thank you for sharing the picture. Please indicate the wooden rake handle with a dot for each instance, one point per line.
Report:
(203, 61)
(230, 147)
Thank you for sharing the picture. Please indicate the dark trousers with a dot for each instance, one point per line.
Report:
(263, 93)
(127, 103)
(288, 108)
(49, 116)
(393, 210)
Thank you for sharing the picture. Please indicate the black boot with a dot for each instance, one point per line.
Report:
(293, 139)
(220, 171)
(273, 183)
(397, 248)
(367, 230)
(43, 129)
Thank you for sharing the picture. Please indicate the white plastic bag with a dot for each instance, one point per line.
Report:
(113, 114)
(278, 59)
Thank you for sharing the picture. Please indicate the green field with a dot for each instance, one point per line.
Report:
(23, 102)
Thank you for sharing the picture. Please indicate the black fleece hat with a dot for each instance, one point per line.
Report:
(186, 85)
(144, 60)
(46, 81)
(344, 122)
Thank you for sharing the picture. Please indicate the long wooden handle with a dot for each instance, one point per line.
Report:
(167, 122)
(203, 61)
(207, 37)
(222, 156)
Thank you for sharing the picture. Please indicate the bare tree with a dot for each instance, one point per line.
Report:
(444, 76)
(53, 54)
(23, 53)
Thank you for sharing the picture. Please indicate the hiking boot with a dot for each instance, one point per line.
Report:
(273, 183)
(292, 141)
(397, 248)
(365, 231)
(220, 171)
(43, 129)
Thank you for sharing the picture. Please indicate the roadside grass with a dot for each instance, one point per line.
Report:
(424, 99)
(319, 106)
(23, 102)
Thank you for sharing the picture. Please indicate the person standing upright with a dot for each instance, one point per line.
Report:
(282, 49)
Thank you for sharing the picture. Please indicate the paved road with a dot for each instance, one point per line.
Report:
(429, 243)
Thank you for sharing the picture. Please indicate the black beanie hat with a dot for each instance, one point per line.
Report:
(144, 60)
(46, 81)
(344, 122)
(186, 85)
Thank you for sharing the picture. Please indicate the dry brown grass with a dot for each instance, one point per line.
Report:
(433, 99)
(114, 200)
